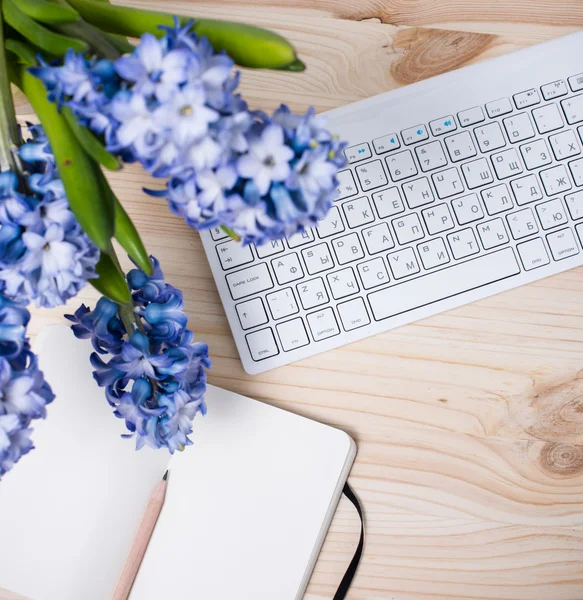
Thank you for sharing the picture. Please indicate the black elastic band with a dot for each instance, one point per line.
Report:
(351, 571)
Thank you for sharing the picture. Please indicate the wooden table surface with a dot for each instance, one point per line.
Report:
(469, 424)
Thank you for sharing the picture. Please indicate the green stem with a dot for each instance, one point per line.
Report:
(95, 38)
(231, 233)
(247, 45)
(9, 132)
(126, 314)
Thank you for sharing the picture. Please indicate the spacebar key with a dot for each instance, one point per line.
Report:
(446, 283)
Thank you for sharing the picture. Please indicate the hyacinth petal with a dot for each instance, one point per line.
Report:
(150, 52)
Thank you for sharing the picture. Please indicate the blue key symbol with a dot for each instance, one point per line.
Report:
(360, 150)
(392, 140)
(447, 123)
(420, 132)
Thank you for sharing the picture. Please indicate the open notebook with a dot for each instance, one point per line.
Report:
(246, 510)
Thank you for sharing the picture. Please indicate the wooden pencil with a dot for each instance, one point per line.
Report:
(141, 541)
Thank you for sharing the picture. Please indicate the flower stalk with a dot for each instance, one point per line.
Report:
(9, 133)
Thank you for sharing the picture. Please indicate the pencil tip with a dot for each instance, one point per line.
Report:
(165, 475)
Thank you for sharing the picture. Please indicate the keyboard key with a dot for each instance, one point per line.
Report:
(342, 283)
(477, 173)
(388, 202)
(418, 193)
(217, 233)
(573, 109)
(462, 243)
(490, 137)
(526, 189)
(282, 303)
(347, 248)
(262, 344)
(448, 183)
(533, 254)
(443, 125)
(330, 224)
(547, 118)
(438, 219)
(358, 212)
(442, 284)
(233, 254)
(555, 180)
(323, 324)
(353, 314)
(576, 82)
(250, 281)
(433, 253)
(431, 156)
(251, 313)
(403, 263)
(356, 153)
(467, 209)
(556, 89)
(576, 168)
(269, 248)
(414, 134)
(346, 185)
(575, 205)
(579, 229)
(373, 273)
(535, 154)
(312, 293)
(378, 238)
(506, 163)
(292, 334)
(518, 127)
(499, 107)
(497, 199)
(460, 146)
(471, 116)
(301, 238)
(386, 143)
(562, 244)
(401, 165)
(522, 223)
(526, 98)
(551, 213)
(565, 144)
(371, 175)
(408, 228)
(318, 258)
(492, 233)
(287, 268)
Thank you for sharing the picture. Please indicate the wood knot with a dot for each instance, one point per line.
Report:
(429, 52)
(556, 414)
(565, 460)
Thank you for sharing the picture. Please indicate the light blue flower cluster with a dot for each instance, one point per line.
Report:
(155, 378)
(171, 106)
(24, 393)
(45, 256)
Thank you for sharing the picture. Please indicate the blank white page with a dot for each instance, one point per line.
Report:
(247, 506)
(70, 508)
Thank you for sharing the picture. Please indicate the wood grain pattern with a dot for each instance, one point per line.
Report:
(469, 424)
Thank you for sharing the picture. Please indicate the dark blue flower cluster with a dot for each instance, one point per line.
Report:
(45, 256)
(155, 378)
(24, 393)
(171, 106)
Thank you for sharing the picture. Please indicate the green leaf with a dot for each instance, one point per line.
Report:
(44, 11)
(90, 143)
(22, 50)
(39, 35)
(247, 45)
(88, 198)
(129, 238)
(111, 281)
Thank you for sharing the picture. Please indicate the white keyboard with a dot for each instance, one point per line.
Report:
(457, 188)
